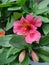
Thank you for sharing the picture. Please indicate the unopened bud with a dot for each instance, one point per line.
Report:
(22, 56)
(34, 56)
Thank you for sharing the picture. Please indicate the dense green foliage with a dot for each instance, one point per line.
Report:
(11, 45)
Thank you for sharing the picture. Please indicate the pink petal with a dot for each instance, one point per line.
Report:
(30, 38)
(30, 17)
(23, 20)
(20, 30)
(16, 29)
(33, 36)
(16, 23)
(37, 36)
(37, 22)
(33, 27)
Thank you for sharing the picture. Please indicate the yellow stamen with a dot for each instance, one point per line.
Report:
(25, 25)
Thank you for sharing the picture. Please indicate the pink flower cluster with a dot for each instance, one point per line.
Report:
(28, 28)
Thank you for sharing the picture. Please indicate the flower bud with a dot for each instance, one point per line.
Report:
(22, 56)
(34, 56)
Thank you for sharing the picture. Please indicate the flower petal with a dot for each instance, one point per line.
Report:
(37, 22)
(2, 33)
(30, 18)
(23, 20)
(20, 30)
(33, 36)
(15, 29)
(37, 36)
(33, 27)
(16, 23)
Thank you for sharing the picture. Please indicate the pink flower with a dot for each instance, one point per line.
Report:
(28, 27)
(2, 33)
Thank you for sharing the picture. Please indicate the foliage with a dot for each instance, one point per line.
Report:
(11, 45)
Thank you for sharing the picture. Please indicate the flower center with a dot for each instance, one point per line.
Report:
(27, 26)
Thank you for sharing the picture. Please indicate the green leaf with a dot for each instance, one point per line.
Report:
(10, 59)
(1, 29)
(9, 4)
(3, 56)
(25, 9)
(46, 28)
(43, 50)
(9, 51)
(43, 4)
(12, 51)
(7, 60)
(1, 50)
(43, 54)
(44, 19)
(21, 2)
(26, 61)
(31, 4)
(44, 57)
(35, 8)
(4, 41)
(40, 11)
(44, 40)
(15, 50)
(14, 63)
(12, 0)
(14, 8)
(47, 11)
(18, 41)
(17, 15)
(9, 24)
(0, 13)
(4, 1)
(4, 59)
